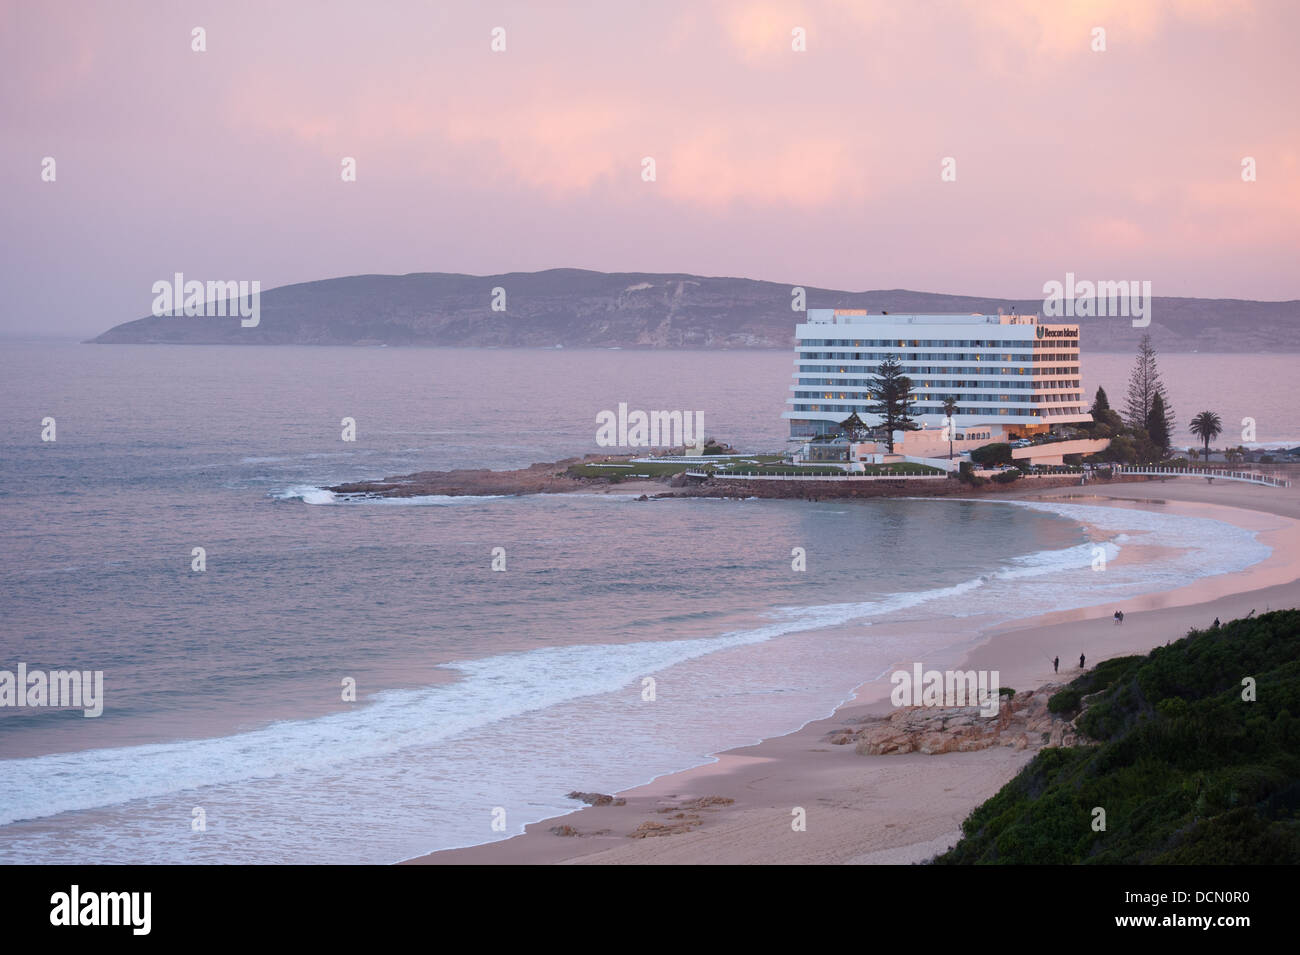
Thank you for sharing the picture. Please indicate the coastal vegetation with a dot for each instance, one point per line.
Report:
(1195, 760)
(1144, 435)
(1149, 444)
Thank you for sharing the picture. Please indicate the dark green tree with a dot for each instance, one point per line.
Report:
(1157, 425)
(895, 397)
(1122, 450)
(1106, 422)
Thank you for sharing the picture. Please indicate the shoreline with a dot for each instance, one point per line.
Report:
(553, 477)
(900, 809)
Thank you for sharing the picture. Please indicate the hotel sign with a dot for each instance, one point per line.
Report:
(1044, 332)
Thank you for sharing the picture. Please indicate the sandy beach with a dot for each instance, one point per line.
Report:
(899, 809)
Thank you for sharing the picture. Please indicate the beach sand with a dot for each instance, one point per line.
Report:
(904, 809)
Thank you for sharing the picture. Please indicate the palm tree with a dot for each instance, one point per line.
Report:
(950, 409)
(1206, 426)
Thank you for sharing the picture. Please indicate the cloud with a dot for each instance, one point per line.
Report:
(1063, 28)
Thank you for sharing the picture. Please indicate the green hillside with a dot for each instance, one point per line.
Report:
(1185, 769)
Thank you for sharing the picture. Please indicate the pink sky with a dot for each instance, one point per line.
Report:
(817, 168)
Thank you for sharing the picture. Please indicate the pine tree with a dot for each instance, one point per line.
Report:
(1100, 403)
(1157, 427)
(1143, 386)
(895, 392)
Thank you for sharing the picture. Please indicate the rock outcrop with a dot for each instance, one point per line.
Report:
(1022, 722)
(596, 799)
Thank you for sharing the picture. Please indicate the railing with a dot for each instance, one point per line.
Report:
(1250, 477)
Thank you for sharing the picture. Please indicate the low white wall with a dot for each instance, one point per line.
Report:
(1054, 452)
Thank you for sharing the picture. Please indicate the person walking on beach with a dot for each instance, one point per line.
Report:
(1056, 665)
(1080, 661)
(1116, 616)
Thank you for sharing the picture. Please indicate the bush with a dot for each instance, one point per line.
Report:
(1107, 424)
(1007, 477)
(997, 453)
(1065, 701)
(966, 474)
(1122, 450)
(1172, 707)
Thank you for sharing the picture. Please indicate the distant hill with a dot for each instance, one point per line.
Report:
(579, 308)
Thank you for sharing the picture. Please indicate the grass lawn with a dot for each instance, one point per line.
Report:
(620, 472)
(616, 470)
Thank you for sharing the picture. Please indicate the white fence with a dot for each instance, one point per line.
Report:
(1251, 477)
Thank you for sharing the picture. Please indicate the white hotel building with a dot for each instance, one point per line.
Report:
(1011, 373)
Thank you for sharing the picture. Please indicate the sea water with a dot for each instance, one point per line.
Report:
(481, 696)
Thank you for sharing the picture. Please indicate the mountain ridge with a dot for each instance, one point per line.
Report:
(586, 308)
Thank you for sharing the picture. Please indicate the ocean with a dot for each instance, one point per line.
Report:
(481, 696)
